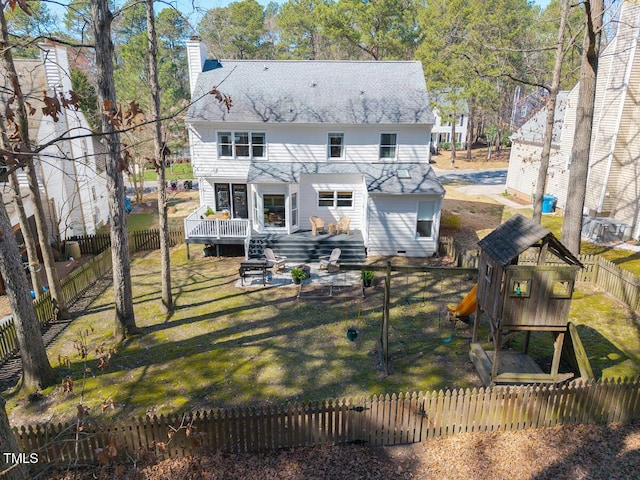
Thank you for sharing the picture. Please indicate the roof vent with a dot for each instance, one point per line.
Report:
(314, 83)
(266, 68)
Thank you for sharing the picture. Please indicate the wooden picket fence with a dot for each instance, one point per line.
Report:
(150, 239)
(375, 421)
(79, 280)
(139, 240)
(606, 275)
(73, 286)
(92, 244)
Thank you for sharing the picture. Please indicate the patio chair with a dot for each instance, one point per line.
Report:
(279, 262)
(330, 262)
(343, 225)
(317, 225)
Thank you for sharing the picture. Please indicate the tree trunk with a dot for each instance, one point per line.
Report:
(9, 444)
(572, 225)
(160, 152)
(23, 128)
(470, 132)
(551, 110)
(27, 234)
(36, 369)
(125, 324)
(453, 139)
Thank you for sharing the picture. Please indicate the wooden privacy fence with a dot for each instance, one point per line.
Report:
(376, 421)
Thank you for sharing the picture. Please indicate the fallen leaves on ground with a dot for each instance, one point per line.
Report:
(575, 452)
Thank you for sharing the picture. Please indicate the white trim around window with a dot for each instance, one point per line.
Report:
(335, 145)
(335, 198)
(242, 144)
(388, 146)
(425, 219)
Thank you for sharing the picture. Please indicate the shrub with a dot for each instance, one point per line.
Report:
(450, 221)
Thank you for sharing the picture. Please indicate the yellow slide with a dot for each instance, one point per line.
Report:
(467, 306)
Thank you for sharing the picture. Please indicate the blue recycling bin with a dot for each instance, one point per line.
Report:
(549, 203)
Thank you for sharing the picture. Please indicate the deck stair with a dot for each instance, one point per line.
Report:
(302, 247)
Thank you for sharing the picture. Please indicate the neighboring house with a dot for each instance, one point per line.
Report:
(70, 173)
(526, 149)
(613, 185)
(525, 107)
(443, 129)
(313, 138)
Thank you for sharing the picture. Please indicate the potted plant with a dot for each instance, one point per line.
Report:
(367, 277)
(298, 275)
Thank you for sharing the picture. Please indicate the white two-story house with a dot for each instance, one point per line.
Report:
(70, 171)
(316, 138)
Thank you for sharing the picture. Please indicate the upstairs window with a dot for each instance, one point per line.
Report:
(388, 142)
(241, 144)
(335, 145)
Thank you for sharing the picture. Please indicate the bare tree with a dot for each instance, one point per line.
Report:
(551, 109)
(27, 234)
(102, 18)
(572, 225)
(23, 147)
(159, 161)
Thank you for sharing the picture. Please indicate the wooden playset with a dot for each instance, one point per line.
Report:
(520, 299)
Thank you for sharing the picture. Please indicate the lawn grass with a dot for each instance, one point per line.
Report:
(179, 171)
(227, 346)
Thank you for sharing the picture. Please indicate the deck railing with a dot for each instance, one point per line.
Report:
(196, 225)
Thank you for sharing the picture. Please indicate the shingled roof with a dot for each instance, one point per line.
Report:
(391, 178)
(517, 235)
(533, 130)
(312, 92)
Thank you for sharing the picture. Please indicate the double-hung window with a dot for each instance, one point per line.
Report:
(388, 144)
(426, 212)
(335, 198)
(335, 145)
(241, 144)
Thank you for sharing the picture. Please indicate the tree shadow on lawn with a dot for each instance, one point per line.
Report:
(604, 355)
(211, 316)
(241, 363)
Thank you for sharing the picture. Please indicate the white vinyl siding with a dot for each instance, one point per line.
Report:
(627, 153)
(305, 144)
(311, 185)
(392, 226)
